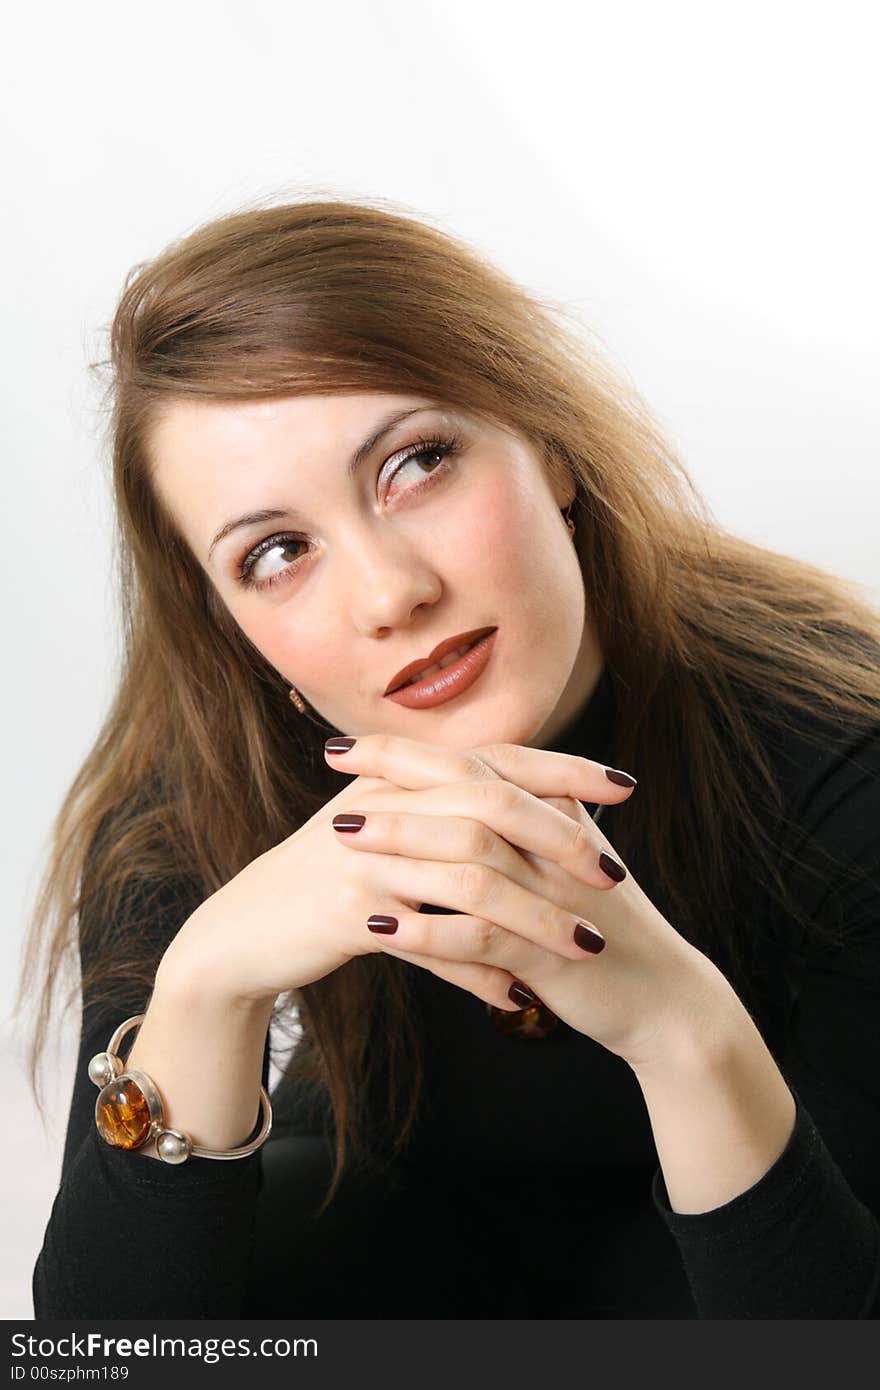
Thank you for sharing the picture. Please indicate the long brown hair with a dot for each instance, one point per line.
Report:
(202, 763)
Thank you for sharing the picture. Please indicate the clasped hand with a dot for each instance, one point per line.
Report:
(499, 835)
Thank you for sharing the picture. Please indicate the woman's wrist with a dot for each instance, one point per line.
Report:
(189, 971)
(720, 1110)
(205, 1058)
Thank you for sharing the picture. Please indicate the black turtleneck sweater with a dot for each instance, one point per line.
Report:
(531, 1184)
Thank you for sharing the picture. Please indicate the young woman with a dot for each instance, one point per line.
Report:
(580, 930)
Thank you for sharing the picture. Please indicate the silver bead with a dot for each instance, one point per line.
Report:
(103, 1068)
(173, 1147)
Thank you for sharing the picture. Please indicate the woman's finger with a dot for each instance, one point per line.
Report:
(411, 763)
(472, 821)
(505, 915)
(460, 937)
(452, 839)
(490, 983)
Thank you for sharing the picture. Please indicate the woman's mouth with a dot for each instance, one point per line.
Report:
(451, 676)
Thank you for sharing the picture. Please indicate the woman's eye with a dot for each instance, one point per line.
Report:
(431, 450)
(245, 571)
(413, 462)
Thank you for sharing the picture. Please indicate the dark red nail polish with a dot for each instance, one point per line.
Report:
(588, 938)
(339, 745)
(382, 924)
(620, 779)
(349, 821)
(520, 994)
(611, 867)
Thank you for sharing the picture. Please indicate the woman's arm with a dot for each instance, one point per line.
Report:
(205, 1053)
(769, 1175)
(132, 1238)
(772, 1227)
(720, 1109)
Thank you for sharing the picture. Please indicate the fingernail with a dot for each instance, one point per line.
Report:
(621, 779)
(383, 924)
(611, 867)
(348, 822)
(339, 745)
(588, 938)
(520, 994)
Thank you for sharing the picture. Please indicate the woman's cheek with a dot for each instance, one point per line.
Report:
(283, 647)
(492, 527)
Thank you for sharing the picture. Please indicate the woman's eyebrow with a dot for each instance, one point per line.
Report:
(364, 449)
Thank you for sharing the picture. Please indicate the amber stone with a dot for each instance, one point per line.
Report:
(535, 1021)
(122, 1114)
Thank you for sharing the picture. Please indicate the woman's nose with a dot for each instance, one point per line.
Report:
(386, 581)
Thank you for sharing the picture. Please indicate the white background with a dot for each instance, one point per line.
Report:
(698, 182)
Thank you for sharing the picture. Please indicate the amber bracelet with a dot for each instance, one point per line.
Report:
(129, 1111)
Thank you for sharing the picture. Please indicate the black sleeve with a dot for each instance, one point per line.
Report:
(804, 1241)
(133, 1237)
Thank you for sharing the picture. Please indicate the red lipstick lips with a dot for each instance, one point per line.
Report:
(444, 683)
(463, 639)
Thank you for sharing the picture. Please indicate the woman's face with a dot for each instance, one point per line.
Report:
(365, 570)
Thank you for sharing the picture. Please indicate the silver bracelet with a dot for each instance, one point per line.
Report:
(129, 1111)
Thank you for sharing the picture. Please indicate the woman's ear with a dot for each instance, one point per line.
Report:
(562, 482)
